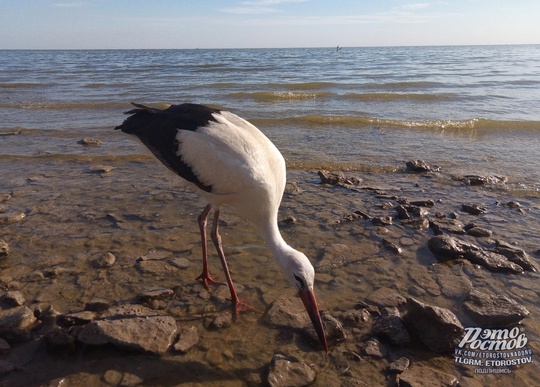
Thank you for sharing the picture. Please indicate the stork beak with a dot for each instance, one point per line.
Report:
(310, 303)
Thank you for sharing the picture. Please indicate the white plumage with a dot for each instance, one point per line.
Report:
(231, 162)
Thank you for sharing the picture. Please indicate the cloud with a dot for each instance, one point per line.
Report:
(75, 4)
(416, 6)
(259, 6)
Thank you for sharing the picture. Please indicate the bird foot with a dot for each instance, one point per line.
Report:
(208, 278)
(239, 306)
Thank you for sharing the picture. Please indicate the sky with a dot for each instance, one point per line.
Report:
(138, 24)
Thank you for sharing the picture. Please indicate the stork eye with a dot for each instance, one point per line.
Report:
(300, 281)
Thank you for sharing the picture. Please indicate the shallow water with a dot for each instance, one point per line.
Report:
(365, 111)
(140, 207)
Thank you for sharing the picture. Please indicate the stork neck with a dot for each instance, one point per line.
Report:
(276, 243)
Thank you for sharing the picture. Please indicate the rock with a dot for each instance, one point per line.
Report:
(386, 297)
(104, 261)
(289, 371)
(4, 249)
(156, 293)
(355, 318)
(452, 226)
(181, 263)
(113, 377)
(101, 169)
(382, 221)
(289, 220)
(422, 203)
(12, 298)
(515, 255)
(438, 328)
(11, 218)
(399, 365)
(426, 377)
(473, 209)
(133, 327)
(479, 232)
(425, 279)
(4, 346)
(332, 178)
(393, 329)
(17, 323)
(287, 312)
(494, 311)
(6, 367)
(60, 341)
(374, 348)
(89, 141)
(332, 328)
(445, 247)
(77, 318)
(336, 256)
(483, 180)
(222, 321)
(187, 339)
(391, 246)
(418, 166)
(453, 283)
(97, 305)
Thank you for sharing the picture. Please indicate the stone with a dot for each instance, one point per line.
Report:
(11, 218)
(473, 209)
(393, 329)
(187, 338)
(418, 166)
(131, 326)
(4, 346)
(12, 298)
(102, 169)
(6, 367)
(479, 232)
(332, 328)
(437, 328)
(104, 261)
(77, 318)
(494, 311)
(288, 371)
(181, 263)
(515, 255)
(386, 297)
(445, 247)
(89, 141)
(60, 341)
(382, 221)
(375, 349)
(4, 248)
(222, 321)
(399, 365)
(97, 305)
(421, 376)
(113, 377)
(336, 256)
(287, 312)
(332, 178)
(484, 180)
(446, 225)
(391, 246)
(156, 293)
(17, 323)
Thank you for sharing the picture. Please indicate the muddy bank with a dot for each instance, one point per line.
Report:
(84, 243)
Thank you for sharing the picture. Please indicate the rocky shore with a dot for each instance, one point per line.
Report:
(403, 268)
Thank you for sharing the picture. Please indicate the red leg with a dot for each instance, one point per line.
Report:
(238, 305)
(205, 276)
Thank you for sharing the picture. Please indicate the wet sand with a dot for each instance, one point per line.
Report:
(73, 216)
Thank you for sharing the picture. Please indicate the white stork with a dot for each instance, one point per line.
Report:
(231, 162)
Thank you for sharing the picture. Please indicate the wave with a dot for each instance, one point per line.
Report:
(278, 96)
(287, 96)
(365, 121)
(24, 85)
(64, 105)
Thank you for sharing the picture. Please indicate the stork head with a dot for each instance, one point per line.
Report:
(301, 274)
